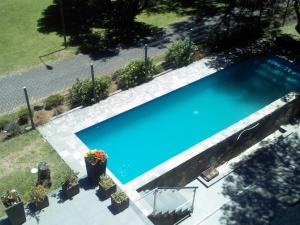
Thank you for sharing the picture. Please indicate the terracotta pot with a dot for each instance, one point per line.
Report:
(119, 206)
(71, 190)
(16, 214)
(94, 171)
(41, 205)
(106, 193)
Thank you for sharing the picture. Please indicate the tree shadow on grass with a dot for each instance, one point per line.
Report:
(265, 185)
(92, 30)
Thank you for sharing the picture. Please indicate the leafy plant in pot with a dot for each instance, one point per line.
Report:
(119, 201)
(14, 207)
(70, 186)
(106, 186)
(39, 197)
(95, 162)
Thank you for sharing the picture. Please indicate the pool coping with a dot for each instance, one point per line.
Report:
(64, 127)
(61, 130)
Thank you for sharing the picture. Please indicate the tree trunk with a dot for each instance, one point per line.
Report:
(297, 10)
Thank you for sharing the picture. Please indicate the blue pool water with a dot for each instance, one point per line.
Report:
(144, 137)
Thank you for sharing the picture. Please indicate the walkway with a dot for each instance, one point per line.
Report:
(41, 82)
(84, 209)
(263, 183)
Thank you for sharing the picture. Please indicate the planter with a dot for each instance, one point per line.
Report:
(119, 206)
(70, 190)
(106, 193)
(16, 214)
(94, 171)
(41, 204)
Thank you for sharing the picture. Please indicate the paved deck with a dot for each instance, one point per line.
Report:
(60, 132)
(84, 209)
(261, 184)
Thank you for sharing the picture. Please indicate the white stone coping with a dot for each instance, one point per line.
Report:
(60, 132)
(204, 145)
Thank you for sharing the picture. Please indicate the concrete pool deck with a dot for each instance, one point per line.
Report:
(60, 131)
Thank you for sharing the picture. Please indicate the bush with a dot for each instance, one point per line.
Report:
(54, 101)
(119, 196)
(23, 116)
(38, 193)
(180, 53)
(82, 90)
(134, 74)
(3, 122)
(12, 129)
(106, 182)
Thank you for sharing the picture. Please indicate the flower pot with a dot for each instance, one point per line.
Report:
(70, 190)
(106, 193)
(16, 214)
(95, 170)
(119, 206)
(41, 204)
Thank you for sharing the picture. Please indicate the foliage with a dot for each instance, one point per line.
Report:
(38, 193)
(13, 129)
(54, 101)
(135, 73)
(18, 155)
(181, 53)
(23, 115)
(94, 156)
(10, 198)
(70, 177)
(82, 91)
(106, 182)
(119, 196)
(3, 122)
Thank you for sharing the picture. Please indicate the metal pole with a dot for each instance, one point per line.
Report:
(28, 107)
(190, 40)
(286, 10)
(146, 59)
(194, 199)
(93, 82)
(154, 203)
(62, 16)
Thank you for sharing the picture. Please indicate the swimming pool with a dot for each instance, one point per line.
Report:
(146, 136)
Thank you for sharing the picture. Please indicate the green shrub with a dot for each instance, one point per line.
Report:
(23, 116)
(3, 122)
(82, 90)
(13, 129)
(134, 74)
(181, 53)
(106, 182)
(119, 196)
(54, 101)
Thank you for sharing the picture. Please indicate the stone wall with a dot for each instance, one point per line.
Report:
(226, 149)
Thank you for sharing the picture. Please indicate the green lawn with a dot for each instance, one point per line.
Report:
(289, 28)
(20, 42)
(161, 19)
(18, 155)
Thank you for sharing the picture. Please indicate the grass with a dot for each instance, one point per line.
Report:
(18, 155)
(21, 43)
(289, 28)
(162, 20)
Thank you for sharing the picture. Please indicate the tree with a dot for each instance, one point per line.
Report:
(125, 11)
(297, 10)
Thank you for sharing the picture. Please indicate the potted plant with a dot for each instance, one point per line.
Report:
(119, 201)
(14, 207)
(95, 161)
(39, 197)
(106, 186)
(70, 186)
